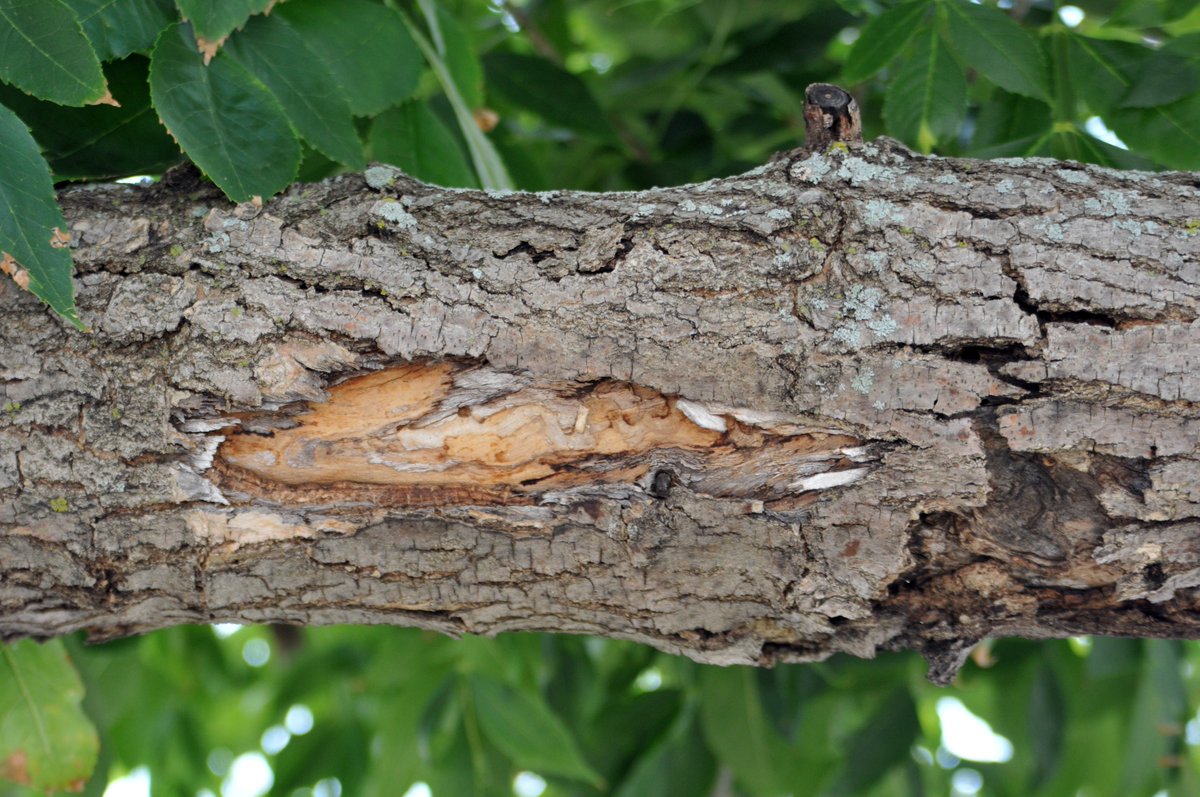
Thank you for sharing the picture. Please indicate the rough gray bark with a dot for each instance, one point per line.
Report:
(863, 400)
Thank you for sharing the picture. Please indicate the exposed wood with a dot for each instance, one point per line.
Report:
(452, 433)
(855, 399)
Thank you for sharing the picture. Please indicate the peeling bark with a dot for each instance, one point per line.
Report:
(848, 401)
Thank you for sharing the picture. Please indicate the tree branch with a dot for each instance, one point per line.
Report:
(851, 400)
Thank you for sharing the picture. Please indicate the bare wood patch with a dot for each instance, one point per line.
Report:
(454, 433)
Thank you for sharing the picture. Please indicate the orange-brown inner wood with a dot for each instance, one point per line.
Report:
(413, 426)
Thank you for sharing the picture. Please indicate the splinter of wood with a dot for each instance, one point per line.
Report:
(830, 116)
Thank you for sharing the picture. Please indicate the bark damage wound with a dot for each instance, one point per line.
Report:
(445, 433)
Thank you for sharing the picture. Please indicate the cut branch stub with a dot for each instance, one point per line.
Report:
(830, 115)
(453, 433)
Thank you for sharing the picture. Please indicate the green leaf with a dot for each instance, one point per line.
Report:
(1170, 134)
(100, 141)
(1102, 70)
(558, 96)
(463, 762)
(928, 96)
(454, 47)
(30, 220)
(1113, 658)
(1002, 51)
(1138, 14)
(1188, 23)
(398, 735)
(46, 53)
(1009, 118)
(213, 20)
(525, 730)
(278, 56)
(117, 29)
(1046, 721)
(1077, 145)
(739, 733)
(414, 139)
(225, 120)
(488, 164)
(881, 743)
(1161, 702)
(46, 741)
(306, 759)
(1169, 74)
(882, 39)
(680, 766)
(367, 48)
(628, 725)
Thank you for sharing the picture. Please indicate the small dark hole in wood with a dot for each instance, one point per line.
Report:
(660, 485)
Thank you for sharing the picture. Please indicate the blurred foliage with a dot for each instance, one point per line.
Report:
(372, 711)
(596, 95)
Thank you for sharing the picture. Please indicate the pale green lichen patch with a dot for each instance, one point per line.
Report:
(1004, 187)
(1191, 227)
(877, 260)
(217, 242)
(877, 211)
(1134, 228)
(59, 505)
(850, 334)
(1073, 176)
(861, 317)
(813, 168)
(947, 179)
(1110, 203)
(395, 213)
(381, 177)
(862, 383)
(1054, 232)
(858, 171)
(883, 326)
(862, 302)
(1117, 200)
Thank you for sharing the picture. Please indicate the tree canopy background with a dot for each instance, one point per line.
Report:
(600, 95)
